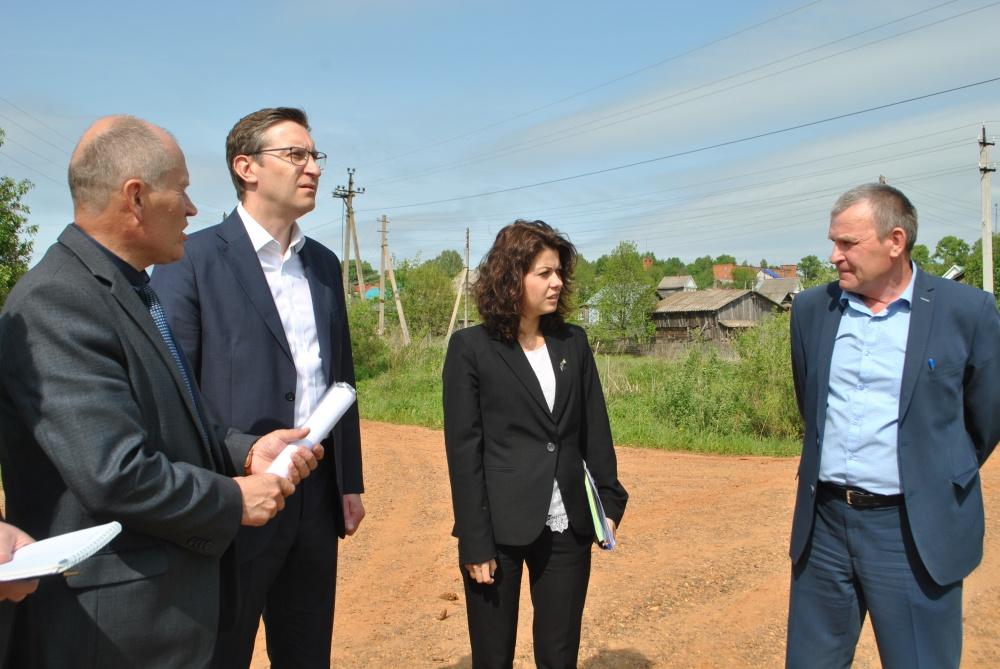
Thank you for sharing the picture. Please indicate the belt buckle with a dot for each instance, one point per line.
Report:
(849, 495)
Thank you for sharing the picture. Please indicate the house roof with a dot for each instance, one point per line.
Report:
(712, 299)
(723, 272)
(668, 282)
(777, 289)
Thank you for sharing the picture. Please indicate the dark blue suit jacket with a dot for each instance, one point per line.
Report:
(223, 315)
(949, 414)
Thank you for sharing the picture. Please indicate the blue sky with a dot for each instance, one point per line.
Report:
(433, 101)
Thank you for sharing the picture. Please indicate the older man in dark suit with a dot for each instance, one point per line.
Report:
(897, 375)
(259, 310)
(100, 420)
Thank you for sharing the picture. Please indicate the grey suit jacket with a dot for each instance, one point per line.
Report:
(949, 414)
(96, 425)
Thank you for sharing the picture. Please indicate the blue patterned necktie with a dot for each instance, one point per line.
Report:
(152, 303)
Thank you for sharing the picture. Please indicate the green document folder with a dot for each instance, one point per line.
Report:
(605, 539)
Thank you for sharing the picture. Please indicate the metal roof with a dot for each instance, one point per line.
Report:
(675, 281)
(712, 299)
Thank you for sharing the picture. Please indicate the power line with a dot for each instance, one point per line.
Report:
(701, 149)
(567, 133)
(39, 121)
(35, 135)
(25, 165)
(597, 86)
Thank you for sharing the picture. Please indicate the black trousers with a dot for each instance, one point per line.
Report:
(559, 571)
(292, 582)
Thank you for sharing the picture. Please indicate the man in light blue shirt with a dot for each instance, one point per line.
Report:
(897, 377)
(863, 405)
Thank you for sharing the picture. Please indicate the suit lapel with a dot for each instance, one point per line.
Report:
(134, 307)
(921, 313)
(236, 251)
(322, 297)
(829, 325)
(563, 366)
(518, 363)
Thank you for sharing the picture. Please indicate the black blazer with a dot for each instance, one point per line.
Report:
(505, 447)
(949, 414)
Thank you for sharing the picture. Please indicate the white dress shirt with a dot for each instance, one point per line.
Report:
(542, 366)
(293, 299)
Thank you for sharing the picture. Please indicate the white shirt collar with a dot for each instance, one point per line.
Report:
(259, 237)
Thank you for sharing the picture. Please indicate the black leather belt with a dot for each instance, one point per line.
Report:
(858, 497)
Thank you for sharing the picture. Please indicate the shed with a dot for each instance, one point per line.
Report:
(715, 314)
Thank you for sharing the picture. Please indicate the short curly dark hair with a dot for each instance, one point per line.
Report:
(500, 284)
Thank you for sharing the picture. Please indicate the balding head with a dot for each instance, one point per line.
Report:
(113, 150)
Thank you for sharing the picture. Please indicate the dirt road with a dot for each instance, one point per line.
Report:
(700, 578)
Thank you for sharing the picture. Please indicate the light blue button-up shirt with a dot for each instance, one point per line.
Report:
(862, 413)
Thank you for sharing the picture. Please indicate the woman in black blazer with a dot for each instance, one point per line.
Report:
(523, 410)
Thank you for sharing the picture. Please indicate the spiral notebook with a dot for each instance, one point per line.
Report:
(57, 554)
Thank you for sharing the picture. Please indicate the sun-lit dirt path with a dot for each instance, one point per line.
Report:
(700, 578)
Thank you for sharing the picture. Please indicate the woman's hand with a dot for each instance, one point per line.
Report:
(482, 572)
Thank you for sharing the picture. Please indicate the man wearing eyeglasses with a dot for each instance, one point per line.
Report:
(259, 310)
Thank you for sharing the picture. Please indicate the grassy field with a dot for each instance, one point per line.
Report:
(699, 402)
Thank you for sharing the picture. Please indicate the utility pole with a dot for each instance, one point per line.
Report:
(350, 232)
(984, 182)
(381, 281)
(387, 262)
(463, 289)
(465, 284)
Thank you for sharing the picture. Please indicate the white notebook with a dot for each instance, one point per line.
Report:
(57, 554)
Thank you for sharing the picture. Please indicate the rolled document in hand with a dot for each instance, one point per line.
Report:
(338, 399)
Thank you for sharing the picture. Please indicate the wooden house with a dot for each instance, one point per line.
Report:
(715, 314)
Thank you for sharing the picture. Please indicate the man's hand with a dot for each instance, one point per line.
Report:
(11, 539)
(268, 447)
(263, 497)
(482, 572)
(354, 512)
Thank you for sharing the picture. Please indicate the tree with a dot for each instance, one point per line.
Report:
(815, 271)
(584, 280)
(428, 298)
(701, 271)
(450, 262)
(16, 235)
(725, 259)
(625, 298)
(951, 250)
(974, 267)
(744, 277)
(922, 257)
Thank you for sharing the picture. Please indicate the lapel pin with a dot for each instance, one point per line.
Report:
(562, 364)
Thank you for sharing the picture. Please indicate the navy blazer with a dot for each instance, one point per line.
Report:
(505, 447)
(949, 414)
(223, 316)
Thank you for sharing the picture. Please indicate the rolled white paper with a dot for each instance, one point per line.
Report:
(334, 404)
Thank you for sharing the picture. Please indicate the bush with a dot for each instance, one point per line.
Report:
(371, 353)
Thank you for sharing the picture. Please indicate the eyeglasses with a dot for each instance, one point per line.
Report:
(297, 155)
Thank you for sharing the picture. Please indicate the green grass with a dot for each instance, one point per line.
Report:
(699, 403)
